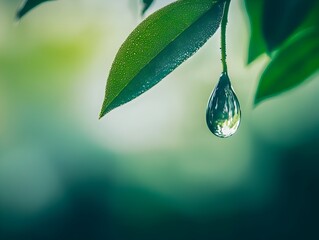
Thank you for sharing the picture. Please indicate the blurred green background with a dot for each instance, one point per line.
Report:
(150, 169)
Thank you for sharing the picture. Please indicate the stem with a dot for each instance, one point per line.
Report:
(223, 35)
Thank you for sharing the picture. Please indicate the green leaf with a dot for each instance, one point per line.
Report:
(159, 45)
(147, 4)
(281, 18)
(256, 44)
(290, 67)
(27, 6)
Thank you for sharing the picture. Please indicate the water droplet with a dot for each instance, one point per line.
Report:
(223, 110)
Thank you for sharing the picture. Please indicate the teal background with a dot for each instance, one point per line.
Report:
(150, 169)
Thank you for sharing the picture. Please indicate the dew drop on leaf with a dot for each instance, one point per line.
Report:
(223, 111)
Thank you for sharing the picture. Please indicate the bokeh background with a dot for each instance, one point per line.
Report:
(150, 169)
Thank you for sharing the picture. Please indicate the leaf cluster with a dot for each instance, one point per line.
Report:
(286, 30)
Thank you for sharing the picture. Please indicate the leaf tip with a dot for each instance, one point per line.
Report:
(257, 101)
(147, 4)
(259, 97)
(18, 16)
(20, 12)
(249, 60)
(106, 108)
(102, 113)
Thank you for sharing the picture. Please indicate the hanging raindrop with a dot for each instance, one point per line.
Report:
(223, 110)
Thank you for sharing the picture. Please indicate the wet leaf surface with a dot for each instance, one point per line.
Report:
(158, 46)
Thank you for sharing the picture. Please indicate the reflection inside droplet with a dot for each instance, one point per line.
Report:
(223, 110)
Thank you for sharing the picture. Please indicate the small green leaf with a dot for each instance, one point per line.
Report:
(281, 19)
(147, 4)
(257, 44)
(290, 67)
(28, 5)
(159, 45)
